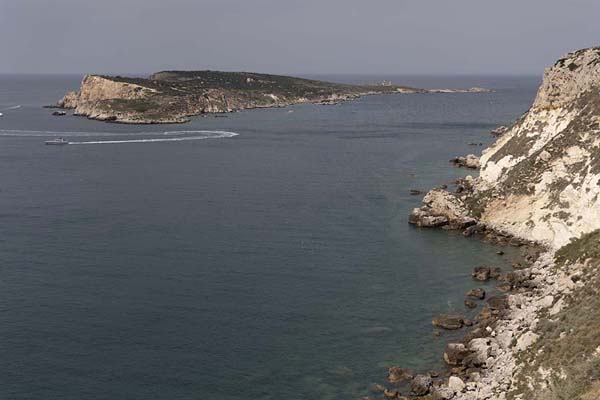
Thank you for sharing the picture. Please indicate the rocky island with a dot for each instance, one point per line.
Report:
(538, 188)
(174, 96)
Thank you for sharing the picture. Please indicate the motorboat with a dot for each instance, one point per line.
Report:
(57, 142)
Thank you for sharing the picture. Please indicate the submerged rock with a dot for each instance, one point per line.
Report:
(470, 303)
(484, 273)
(398, 374)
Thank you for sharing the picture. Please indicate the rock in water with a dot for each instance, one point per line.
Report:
(477, 293)
(481, 273)
(421, 384)
(397, 375)
(499, 131)
(470, 303)
(448, 321)
(470, 161)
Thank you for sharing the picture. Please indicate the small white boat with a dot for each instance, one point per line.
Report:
(1, 114)
(57, 142)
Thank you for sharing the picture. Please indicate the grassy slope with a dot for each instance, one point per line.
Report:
(570, 340)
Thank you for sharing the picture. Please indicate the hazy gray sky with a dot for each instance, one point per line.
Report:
(294, 36)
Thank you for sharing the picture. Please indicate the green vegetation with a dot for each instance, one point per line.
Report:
(569, 342)
(586, 247)
(137, 105)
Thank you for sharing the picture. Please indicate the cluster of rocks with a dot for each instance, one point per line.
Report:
(440, 208)
(483, 363)
(469, 161)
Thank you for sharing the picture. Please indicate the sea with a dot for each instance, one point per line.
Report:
(261, 255)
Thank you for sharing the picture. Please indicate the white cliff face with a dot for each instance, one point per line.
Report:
(97, 88)
(544, 172)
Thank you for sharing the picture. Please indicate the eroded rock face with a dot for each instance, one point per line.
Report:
(541, 179)
(441, 208)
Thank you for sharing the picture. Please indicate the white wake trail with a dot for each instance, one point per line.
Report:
(11, 108)
(179, 135)
(209, 135)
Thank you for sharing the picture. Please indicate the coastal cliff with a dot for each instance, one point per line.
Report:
(174, 96)
(539, 183)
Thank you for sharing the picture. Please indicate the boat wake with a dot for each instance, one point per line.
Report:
(147, 137)
(204, 135)
(11, 108)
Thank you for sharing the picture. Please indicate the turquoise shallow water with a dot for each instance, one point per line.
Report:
(273, 264)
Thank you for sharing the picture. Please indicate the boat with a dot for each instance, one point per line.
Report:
(1, 114)
(57, 142)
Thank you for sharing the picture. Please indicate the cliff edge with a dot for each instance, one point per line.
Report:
(539, 182)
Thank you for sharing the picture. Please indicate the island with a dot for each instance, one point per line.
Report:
(175, 96)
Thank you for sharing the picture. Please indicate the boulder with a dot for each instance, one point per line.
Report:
(474, 229)
(499, 303)
(499, 131)
(421, 384)
(448, 321)
(476, 293)
(470, 303)
(484, 273)
(398, 374)
(442, 393)
(456, 384)
(481, 273)
(424, 218)
(480, 351)
(470, 161)
(455, 353)
(441, 203)
(391, 393)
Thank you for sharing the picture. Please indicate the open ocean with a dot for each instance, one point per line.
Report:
(262, 256)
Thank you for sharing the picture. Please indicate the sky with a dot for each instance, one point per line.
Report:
(294, 36)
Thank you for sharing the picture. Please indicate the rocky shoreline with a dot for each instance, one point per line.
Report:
(478, 363)
(538, 189)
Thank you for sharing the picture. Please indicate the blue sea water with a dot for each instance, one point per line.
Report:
(274, 264)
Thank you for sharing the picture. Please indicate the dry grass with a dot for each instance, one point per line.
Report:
(570, 340)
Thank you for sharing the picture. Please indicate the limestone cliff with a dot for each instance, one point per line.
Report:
(540, 181)
(542, 177)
